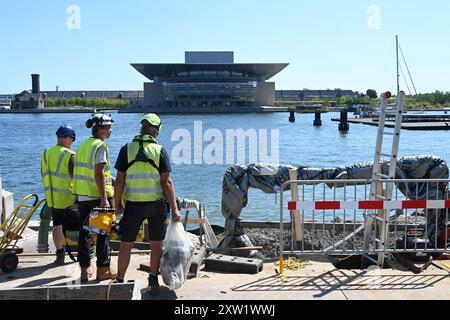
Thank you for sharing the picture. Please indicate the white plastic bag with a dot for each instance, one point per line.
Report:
(177, 256)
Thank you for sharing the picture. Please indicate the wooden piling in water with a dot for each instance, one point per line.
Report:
(317, 119)
(291, 116)
(343, 122)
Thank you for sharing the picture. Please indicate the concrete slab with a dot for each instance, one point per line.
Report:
(233, 264)
(7, 199)
(40, 271)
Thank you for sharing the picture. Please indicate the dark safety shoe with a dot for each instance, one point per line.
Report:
(153, 285)
(60, 255)
(115, 279)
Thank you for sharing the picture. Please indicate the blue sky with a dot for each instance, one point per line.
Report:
(327, 43)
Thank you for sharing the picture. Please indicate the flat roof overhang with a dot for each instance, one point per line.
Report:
(152, 70)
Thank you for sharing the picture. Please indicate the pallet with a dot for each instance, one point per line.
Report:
(197, 261)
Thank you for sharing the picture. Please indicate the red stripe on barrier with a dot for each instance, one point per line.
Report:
(414, 204)
(447, 204)
(371, 205)
(328, 205)
(292, 206)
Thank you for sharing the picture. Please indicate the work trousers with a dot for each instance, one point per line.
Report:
(85, 240)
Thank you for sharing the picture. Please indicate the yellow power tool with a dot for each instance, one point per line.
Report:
(103, 221)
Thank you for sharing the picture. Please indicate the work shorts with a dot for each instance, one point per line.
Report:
(58, 215)
(134, 215)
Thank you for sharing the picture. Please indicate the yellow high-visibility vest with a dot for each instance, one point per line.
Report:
(56, 177)
(142, 180)
(84, 173)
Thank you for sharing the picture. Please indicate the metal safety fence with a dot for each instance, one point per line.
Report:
(341, 217)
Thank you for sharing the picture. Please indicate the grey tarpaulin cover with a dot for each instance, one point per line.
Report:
(269, 177)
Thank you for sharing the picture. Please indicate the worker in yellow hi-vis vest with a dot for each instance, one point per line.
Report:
(94, 188)
(143, 179)
(57, 165)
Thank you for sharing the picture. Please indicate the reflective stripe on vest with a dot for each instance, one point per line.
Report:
(56, 174)
(142, 176)
(84, 173)
(63, 191)
(142, 180)
(143, 190)
(56, 177)
(88, 179)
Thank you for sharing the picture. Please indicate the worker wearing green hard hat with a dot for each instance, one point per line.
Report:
(144, 184)
(153, 120)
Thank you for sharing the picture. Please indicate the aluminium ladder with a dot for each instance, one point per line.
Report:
(376, 224)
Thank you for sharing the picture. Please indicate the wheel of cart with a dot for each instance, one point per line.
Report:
(9, 260)
(11, 232)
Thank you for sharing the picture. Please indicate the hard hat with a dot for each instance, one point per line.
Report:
(66, 131)
(153, 120)
(99, 119)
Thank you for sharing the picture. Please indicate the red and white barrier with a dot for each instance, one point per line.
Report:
(368, 205)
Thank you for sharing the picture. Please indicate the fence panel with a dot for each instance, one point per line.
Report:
(333, 213)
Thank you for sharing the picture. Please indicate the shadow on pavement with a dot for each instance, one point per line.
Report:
(338, 280)
(164, 294)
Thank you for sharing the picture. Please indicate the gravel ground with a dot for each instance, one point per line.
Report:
(319, 239)
(412, 218)
(269, 240)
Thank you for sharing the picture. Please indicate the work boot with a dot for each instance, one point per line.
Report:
(153, 284)
(86, 274)
(60, 255)
(105, 273)
(117, 280)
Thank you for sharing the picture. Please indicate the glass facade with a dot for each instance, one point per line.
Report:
(209, 88)
(199, 75)
(210, 91)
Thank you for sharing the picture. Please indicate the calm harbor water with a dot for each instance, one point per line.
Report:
(24, 136)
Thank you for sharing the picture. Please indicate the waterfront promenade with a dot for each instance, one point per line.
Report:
(319, 280)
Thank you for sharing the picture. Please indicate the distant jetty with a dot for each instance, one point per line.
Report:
(159, 110)
(416, 122)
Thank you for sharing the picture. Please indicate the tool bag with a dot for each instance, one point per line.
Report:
(177, 256)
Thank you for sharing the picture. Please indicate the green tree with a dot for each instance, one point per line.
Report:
(372, 94)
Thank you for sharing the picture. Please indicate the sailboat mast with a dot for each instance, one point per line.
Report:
(398, 71)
